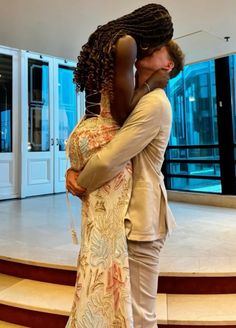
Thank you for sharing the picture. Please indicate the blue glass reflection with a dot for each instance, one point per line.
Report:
(67, 104)
(194, 135)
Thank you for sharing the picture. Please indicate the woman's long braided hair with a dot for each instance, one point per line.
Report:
(150, 26)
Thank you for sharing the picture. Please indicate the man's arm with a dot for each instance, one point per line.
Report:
(138, 131)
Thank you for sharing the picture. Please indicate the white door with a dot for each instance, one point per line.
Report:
(37, 145)
(50, 110)
(66, 114)
(9, 129)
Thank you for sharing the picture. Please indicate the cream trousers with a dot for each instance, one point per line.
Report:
(144, 270)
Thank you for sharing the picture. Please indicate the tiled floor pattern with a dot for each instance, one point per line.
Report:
(37, 230)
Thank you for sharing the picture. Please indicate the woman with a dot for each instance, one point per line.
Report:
(105, 72)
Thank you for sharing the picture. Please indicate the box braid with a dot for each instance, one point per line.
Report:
(150, 26)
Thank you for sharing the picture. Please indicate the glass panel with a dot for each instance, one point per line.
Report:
(67, 104)
(38, 98)
(202, 185)
(194, 169)
(5, 103)
(232, 61)
(233, 91)
(200, 102)
(175, 92)
(193, 98)
(193, 153)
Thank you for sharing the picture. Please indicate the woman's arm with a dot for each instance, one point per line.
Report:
(125, 95)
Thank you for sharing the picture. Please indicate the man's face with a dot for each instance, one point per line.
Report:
(157, 60)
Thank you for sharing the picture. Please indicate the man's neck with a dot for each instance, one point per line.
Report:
(143, 75)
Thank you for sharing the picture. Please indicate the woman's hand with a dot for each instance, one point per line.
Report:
(158, 79)
(71, 183)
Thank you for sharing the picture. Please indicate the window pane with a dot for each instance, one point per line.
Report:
(38, 97)
(193, 98)
(195, 169)
(202, 185)
(232, 60)
(67, 104)
(176, 95)
(5, 103)
(233, 91)
(193, 153)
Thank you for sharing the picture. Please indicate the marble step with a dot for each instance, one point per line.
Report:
(180, 283)
(39, 304)
(4, 324)
(33, 303)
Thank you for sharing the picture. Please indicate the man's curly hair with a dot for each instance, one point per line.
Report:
(176, 54)
(150, 26)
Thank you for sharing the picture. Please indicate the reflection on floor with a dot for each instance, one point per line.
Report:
(37, 230)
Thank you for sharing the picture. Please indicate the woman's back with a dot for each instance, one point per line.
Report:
(90, 135)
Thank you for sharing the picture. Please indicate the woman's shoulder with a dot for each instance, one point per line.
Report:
(126, 49)
(126, 40)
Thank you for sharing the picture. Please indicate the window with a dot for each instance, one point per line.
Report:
(67, 104)
(5, 103)
(38, 97)
(192, 157)
(233, 98)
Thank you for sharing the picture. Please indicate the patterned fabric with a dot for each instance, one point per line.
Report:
(102, 292)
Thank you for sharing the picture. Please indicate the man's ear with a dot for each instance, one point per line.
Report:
(169, 66)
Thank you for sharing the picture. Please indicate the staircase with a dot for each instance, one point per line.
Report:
(38, 296)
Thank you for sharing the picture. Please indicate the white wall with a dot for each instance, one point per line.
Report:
(60, 27)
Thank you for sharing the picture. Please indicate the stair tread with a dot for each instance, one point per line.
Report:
(4, 324)
(172, 308)
(7, 281)
(217, 309)
(38, 296)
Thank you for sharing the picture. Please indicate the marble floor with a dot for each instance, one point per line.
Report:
(37, 230)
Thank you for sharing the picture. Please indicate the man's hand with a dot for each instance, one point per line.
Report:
(71, 183)
(159, 79)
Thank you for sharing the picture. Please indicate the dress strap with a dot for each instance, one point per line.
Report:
(105, 105)
(74, 235)
(90, 103)
(71, 216)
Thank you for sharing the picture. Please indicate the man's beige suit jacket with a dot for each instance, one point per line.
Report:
(143, 138)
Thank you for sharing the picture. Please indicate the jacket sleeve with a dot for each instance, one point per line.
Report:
(140, 128)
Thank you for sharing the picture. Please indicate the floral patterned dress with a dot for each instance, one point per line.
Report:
(102, 292)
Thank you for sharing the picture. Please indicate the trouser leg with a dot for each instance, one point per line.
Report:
(144, 270)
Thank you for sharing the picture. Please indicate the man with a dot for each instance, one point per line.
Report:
(143, 138)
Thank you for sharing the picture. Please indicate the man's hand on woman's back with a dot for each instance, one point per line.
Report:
(71, 183)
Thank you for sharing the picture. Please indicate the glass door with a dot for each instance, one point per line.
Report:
(49, 113)
(38, 106)
(66, 117)
(37, 124)
(8, 123)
